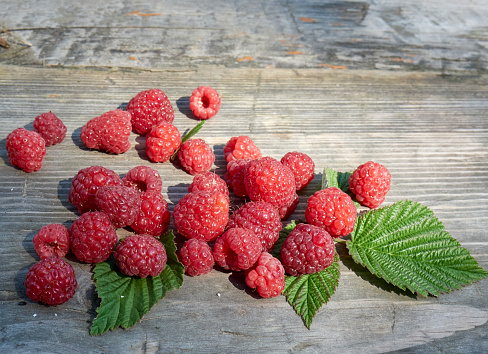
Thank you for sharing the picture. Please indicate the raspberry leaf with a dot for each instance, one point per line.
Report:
(283, 235)
(187, 136)
(331, 178)
(406, 245)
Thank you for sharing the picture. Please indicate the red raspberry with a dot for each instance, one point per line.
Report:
(120, 203)
(260, 217)
(154, 216)
(196, 156)
(140, 255)
(52, 240)
(308, 249)
(93, 237)
(302, 166)
(208, 181)
(370, 183)
(51, 281)
(267, 275)
(235, 176)
(196, 256)
(204, 102)
(202, 215)
(86, 183)
(50, 127)
(287, 209)
(143, 178)
(241, 147)
(26, 149)
(162, 141)
(237, 249)
(110, 132)
(333, 210)
(149, 108)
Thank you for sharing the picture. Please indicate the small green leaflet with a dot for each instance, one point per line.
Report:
(125, 300)
(283, 235)
(331, 178)
(406, 245)
(187, 136)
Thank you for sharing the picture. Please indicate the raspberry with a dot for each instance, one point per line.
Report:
(201, 215)
(120, 203)
(308, 249)
(162, 141)
(237, 249)
(196, 256)
(241, 147)
(140, 255)
(149, 108)
(235, 176)
(153, 217)
(26, 149)
(267, 275)
(51, 281)
(208, 181)
(204, 102)
(196, 156)
(110, 132)
(333, 210)
(370, 183)
(93, 237)
(52, 240)
(50, 127)
(287, 209)
(302, 166)
(260, 217)
(143, 178)
(86, 183)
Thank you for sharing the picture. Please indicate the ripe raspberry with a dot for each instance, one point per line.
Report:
(86, 183)
(143, 178)
(162, 141)
(370, 183)
(237, 249)
(52, 240)
(154, 216)
(51, 281)
(93, 237)
(120, 203)
(287, 209)
(332, 210)
(241, 147)
(260, 217)
(235, 176)
(302, 166)
(204, 102)
(308, 249)
(196, 256)
(140, 255)
(196, 156)
(110, 132)
(202, 215)
(149, 108)
(50, 127)
(267, 275)
(26, 149)
(208, 181)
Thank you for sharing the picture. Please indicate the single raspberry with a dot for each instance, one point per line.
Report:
(237, 249)
(144, 178)
(162, 141)
(196, 156)
(140, 255)
(302, 166)
(332, 210)
(208, 181)
(52, 240)
(202, 215)
(267, 276)
(308, 249)
(287, 209)
(154, 216)
(197, 257)
(93, 237)
(149, 108)
(260, 217)
(370, 183)
(50, 127)
(241, 147)
(86, 183)
(235, 176)
(51, 281)
(204, 102)
(26, 149)
(120, 203)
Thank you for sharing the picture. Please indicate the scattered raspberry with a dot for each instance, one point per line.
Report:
(204, 102)
(302, 166)
(140, 255)
(144, 178)
(51, 281)
(235, 176)
(162, 141)
(370, 183)
(52, 240)
(196, 156)
(26, 149)
(110, 132)
(287, 209)
(237, 249)
(267, 275)
(149, 108)
(196, 256)
(50, 127)
(208, 181)
(120, 203)
(241, 147)
(154, 216)
(308, 249)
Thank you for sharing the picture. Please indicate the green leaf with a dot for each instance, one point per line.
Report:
(283, 235)
(331, 178)
(406, 245)
(125, 300)
(187, 136)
